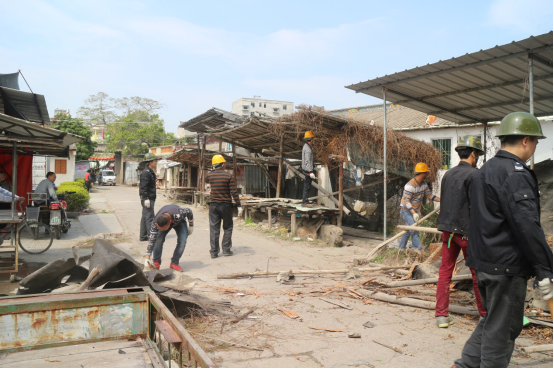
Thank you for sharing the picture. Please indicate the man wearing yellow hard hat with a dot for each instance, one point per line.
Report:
(223, 191)
(308, 165)
(410, 204)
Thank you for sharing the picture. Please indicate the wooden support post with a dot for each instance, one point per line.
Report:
(341, 195)
(280, 170)
(235, 164)
(293, 224)
(189, 175)
(268, 210)
(220, 144)
(203, 165)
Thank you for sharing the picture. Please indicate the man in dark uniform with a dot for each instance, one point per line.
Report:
(454, 223)
(168, 217)
(507, 245)
(222, 193)
(147, 192)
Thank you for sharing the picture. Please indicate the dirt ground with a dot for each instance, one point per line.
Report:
(400, 336)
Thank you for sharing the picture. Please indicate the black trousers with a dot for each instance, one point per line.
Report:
(146, 220)
(221, 212)
(307, 188)
(492, 343)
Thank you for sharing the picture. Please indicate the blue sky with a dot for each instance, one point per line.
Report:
(194, 55)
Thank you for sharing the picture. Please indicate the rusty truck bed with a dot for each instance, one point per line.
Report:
(68, 328)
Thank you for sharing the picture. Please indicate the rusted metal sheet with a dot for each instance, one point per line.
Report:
(44, 328)
(42, 321)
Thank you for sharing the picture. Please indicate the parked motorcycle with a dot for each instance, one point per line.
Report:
(58, 216)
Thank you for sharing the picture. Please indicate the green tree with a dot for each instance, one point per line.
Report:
(134, 133)
(66, 123)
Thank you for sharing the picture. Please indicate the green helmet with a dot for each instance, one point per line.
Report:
(470, 141)
(520, 124)
(150, 157)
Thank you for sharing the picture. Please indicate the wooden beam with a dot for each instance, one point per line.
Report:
(280, 170)
(235, 164)
(417, 282)
(341, 195)
(354, 188)
(314, 271)
(419, 229)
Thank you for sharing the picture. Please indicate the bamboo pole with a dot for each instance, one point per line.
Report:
(315, 271)
(419, 229)
(417, 282)
(374, 251)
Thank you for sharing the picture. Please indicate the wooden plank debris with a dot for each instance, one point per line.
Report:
(416, 282)
(539, 348)
(326, 329)
(291, 314)
(419, 229)
(314, 271)
(387, 346)
(417, 303)
(337, 303)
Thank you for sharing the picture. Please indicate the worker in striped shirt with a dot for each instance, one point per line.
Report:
(223, 191)
(410, 205)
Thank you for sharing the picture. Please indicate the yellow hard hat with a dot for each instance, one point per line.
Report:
(309, 134)
(218, 159)
(421, 168)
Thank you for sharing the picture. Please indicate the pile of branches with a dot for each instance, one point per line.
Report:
(346, 133)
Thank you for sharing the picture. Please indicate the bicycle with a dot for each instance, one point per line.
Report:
(31, 238)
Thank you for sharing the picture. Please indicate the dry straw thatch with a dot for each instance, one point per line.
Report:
(335, 134)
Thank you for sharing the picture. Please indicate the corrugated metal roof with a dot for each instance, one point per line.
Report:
(212, 119)
(25, 105)
(10, 80)
(398, 117)
(479, 87)
(34, 138)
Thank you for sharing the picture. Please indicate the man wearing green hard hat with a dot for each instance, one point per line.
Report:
(506, 245)
(454, 223)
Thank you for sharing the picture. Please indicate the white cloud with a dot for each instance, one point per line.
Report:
(519, 15)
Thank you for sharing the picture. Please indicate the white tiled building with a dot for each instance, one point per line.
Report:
(272, 108)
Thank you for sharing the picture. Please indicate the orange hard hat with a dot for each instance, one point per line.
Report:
(421, 168)
(309, 134)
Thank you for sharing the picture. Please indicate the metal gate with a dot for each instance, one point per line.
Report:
(131, 176)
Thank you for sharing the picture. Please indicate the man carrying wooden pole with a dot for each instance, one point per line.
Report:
(308, 165)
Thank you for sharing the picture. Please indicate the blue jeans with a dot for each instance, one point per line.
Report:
(182, 231)
(409, 220)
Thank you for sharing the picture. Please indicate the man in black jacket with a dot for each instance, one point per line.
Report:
(147, 192)
(507, 245)
(454, 223)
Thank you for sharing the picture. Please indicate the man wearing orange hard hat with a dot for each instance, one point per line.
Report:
(308, 165)
(410, 205)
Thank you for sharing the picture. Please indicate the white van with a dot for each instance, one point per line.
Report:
(107, 177)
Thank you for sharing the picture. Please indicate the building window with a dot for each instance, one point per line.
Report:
(253, 105)
(284, 107)
(260, 105)
(245, 107)
(265, 105)
(444, 146)
(61, 166)
(245, 116)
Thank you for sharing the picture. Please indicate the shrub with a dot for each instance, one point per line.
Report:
(75, 201)
(81, 181)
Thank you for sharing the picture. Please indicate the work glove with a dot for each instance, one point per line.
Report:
(147, 204)
(240, 212)
(416, 217)
(545, 288)
(312, 176)
(191, 229)
(148, 265)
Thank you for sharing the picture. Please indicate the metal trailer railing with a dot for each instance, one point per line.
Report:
(41, 321)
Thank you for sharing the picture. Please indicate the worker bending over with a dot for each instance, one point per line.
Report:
(168, 217)
(410, 204)
(222, 193)
(454, 223)
(506, 242)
